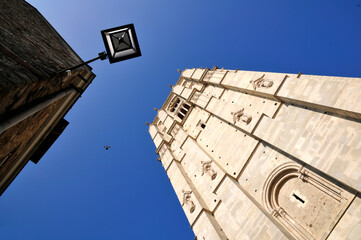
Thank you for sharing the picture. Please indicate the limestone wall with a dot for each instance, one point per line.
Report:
(265, 155)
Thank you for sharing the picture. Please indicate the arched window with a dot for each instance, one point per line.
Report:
(183, 110)
(304, 203)
(179, 107)
(174, 104)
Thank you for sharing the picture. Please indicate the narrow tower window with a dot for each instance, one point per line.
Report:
(181, 116)
(298, 198)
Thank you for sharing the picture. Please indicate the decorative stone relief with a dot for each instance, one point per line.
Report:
(303, 217)
(187, 84)
(261, 82)
(241, 116)
(302, 175)
(279, 212)
(207, 168)
(162, 128)
(174, 104)
(187, 199)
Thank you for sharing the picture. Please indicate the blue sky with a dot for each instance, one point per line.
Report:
(80, 191)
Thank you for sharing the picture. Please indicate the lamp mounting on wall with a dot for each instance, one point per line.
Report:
(121, 43)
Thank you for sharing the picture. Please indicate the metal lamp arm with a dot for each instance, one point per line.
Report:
(101, 56)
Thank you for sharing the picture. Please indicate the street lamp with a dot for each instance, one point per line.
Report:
(121, 43)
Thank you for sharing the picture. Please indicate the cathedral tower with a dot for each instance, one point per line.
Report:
(258, 155)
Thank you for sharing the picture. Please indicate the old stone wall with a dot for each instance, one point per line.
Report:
(31, 55)
(263, 155)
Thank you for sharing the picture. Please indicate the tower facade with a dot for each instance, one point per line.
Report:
(258, 155)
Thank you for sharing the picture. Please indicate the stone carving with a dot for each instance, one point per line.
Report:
(261, 82)
(278, 179)
(207, 168)
(174, 104)
(302, 175)
(187, 84)
(187, 199)
(162, 128)
(241, 116)
(279, 212)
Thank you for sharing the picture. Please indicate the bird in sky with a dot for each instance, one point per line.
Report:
(106, 147)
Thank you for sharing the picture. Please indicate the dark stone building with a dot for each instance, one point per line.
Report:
(34, 96)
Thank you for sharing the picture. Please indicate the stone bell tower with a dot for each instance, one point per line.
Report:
(258, 155)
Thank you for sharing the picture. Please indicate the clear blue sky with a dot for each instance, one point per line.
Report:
(80, 191)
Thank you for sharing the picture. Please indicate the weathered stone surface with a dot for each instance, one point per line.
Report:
(349, 227)
(16, 138)
(25, 33)
(31, 55)
(273, 167)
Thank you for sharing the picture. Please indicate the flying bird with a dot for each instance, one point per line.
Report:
(106, 147)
